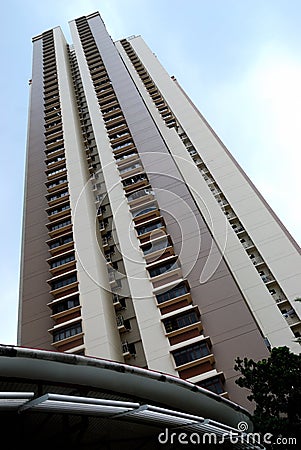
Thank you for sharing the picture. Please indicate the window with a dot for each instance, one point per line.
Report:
(119, 135)
(67, 332)
(56, 171)
(59, 209)
(140, 212)
(63, 282)
(213, 384)
(55, 160)
(148, 228)
(175, 323)
(172, 293)
(139, 194)
(191, 353)
(153, 246)
(65, 305)
(131, 167)
(162, 269)
(134, 179)
(128, 155)
(55, 197)
(57, 183)
(118, 147)
(60, 262)
(114, 117)
(61, 241)
(60, 225)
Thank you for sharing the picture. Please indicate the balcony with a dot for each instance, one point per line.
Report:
(223, 202)
(134, 167)
(142, 194)
(54, 164)
(238, 228)
(61, 244)
(118, 137)
(279, 298)
(119, 302)
(57, 184)
(64, 303)
(123, 324)
(256, 259)
(158, 268)
(58, 197)
(145, 212)
(128, 350)
(122, 147)
(67, 337)
(230, 215)
(135, 182)
(103, 224)
(160, 254)
(214, 383)
(246, 243)
(196, 353)
(63, 283)
(291, 317)
(155, 245)
(113, 116)
(173, 322)
(66, 315)
(109, 111)
(59, 227)
(148, 231)
(130, 155)
(53, 174)
(58, 211)
(62, 263)
(165, 273)
(106, 239)
(115, 282)
(182, 325)
(267, 278)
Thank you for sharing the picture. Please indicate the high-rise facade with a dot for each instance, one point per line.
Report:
(143, 240)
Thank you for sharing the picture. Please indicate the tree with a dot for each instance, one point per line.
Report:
(275, 386)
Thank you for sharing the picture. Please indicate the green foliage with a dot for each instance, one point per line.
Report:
(275, 387)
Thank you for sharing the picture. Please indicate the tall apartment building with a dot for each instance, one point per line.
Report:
(144, 241)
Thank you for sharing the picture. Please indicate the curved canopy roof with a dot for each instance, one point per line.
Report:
(90, 401)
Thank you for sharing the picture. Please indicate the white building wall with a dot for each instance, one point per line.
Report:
(101, 335)
(155, 344)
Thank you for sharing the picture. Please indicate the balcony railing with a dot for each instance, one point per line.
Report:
(139, 194)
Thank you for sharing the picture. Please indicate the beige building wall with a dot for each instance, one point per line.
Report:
(275, 245)
(34, 273)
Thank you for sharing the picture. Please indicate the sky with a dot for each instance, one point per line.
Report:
(238, 60)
